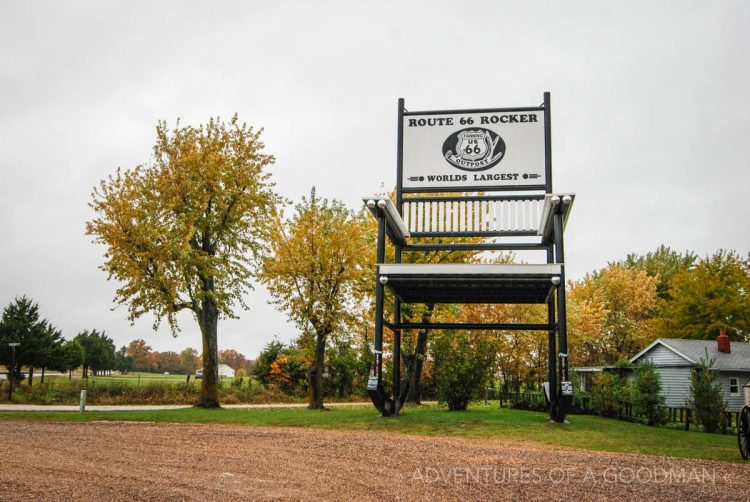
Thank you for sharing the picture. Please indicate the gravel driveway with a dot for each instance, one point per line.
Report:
(142, 461)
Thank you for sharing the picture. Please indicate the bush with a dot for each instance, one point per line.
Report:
(707, 398)
(533, 401)
(606, 393)
(463, 367)
(345, 371)
(239, 377)
(262, 367)
(289, 372)
(646, 394)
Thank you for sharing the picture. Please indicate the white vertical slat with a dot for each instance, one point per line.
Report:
(470, 216)
(454, 211)
(474, 212)
(539, 208)
(532, 215)
(433, 226)
(496, 214)
(441, 213)
(462, 215)
(420, 210)
(427, 207)
(405, 209)
(412, 217)
(519, 215)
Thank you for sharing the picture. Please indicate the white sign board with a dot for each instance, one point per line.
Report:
(478, 149)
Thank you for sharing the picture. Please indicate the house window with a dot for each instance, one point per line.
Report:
(734, 386)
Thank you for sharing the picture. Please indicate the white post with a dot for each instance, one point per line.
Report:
(83, 401)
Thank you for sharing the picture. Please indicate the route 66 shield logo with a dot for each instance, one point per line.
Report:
(473, 149)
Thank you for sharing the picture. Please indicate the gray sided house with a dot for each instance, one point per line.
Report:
(675, 359)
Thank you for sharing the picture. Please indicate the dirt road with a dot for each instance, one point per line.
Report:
(140, 461)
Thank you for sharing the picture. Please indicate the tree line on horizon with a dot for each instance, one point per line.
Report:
(143, 358)
(43, 347)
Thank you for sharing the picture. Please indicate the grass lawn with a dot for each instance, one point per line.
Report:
(135, 378)
(481, 421)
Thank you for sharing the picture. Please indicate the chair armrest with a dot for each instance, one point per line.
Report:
(382, 207)
(551, 203)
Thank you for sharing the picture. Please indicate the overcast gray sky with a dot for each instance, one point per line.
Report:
(649, 118)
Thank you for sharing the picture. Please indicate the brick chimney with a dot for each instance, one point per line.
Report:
(723, 342)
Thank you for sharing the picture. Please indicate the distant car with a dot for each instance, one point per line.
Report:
(199, 374)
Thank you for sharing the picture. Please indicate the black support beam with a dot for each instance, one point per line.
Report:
(480, 326)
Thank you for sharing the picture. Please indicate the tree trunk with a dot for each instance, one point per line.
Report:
(413, 363)
(70, 373)
(414, 396)
(315, 373)
(42, 381)
(31, 376)
(208, 320)
(85, 371)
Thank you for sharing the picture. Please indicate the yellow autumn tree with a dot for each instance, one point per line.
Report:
(609, 313)
(586, 312)
(711, 296)
(185, 231)
(317, 272)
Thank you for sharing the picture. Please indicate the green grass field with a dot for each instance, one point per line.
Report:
(134, 378)
(481, 421)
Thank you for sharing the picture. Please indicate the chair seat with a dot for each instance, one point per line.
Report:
(470, 283)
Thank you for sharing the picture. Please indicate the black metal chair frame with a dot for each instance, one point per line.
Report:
(472, 283)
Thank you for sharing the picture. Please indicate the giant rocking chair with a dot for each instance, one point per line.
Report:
(520, 215)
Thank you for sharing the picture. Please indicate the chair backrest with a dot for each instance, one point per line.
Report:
(473, 216)
(492, 165)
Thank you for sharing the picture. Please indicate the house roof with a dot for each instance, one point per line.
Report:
(593, 369)
(695, 350)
